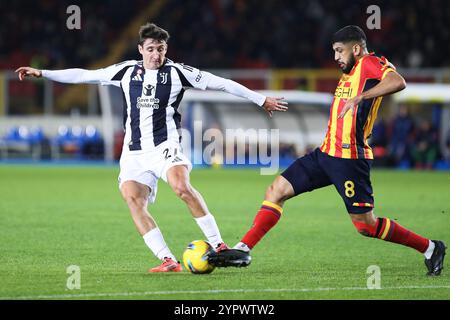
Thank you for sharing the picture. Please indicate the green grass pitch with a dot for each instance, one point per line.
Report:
(54, 217)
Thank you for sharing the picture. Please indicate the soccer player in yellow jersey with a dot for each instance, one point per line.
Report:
(344, 158)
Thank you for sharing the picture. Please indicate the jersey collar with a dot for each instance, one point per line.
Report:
(357, 62)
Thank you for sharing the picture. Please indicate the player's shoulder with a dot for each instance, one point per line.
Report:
(373, 60)
(179, 65)
(126, 63)
(189, 76)
(119, 70)
(171, 63)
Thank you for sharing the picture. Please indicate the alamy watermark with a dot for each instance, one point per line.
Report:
(374, 279)
(74, 280)
(233, 147)
(374, 20)
(74, 20)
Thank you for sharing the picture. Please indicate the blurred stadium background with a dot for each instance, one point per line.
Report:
(265, 45)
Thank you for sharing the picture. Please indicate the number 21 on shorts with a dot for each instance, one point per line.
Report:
(166, 152)
(349, 188)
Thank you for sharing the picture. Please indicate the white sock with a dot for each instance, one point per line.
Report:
(430, 250)
(242, 247)
(155, 241)
(210, 229)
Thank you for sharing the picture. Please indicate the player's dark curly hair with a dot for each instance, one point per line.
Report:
(151, 30)
(350, 33)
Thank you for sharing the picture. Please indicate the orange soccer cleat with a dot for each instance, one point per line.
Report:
(168, 265)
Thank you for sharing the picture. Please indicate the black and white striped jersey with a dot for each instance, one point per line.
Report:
(152, 97)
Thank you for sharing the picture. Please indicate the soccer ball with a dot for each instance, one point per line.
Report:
(195, 257)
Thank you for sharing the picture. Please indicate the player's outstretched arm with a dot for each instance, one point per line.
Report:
(65, 75)
(393, 82)
(100, 76)
(28, 72)
(275, 104)
(269, 104)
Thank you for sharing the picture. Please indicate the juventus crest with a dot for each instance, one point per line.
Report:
(163, 76)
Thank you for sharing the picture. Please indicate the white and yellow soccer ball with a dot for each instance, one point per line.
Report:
(195, 257)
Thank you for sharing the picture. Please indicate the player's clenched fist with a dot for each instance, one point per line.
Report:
(28, 71)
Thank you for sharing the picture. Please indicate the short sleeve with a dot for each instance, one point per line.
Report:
(376, 68)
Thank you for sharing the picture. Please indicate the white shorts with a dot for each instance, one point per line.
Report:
(148, 166)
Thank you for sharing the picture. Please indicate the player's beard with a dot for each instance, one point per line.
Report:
(349, 65)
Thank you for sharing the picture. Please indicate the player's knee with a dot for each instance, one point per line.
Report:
(183, 190)
(275, 194)
(134, 201)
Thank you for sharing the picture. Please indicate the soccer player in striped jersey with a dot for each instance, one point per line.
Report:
(344, 158)
(152, 90)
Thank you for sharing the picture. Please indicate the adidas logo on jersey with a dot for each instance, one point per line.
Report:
(137, 78)
(177, 159)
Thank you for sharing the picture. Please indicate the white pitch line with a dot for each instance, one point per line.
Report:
(149, 293)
